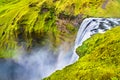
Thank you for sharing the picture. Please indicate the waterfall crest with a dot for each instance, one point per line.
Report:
(91, 26)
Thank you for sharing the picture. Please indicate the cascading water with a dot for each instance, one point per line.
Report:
(43, 62)
(91, 26)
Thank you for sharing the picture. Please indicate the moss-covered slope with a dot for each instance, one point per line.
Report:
(99, 59)
(30, 23)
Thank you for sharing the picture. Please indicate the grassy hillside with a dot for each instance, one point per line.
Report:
(29, 23)
(99, 59)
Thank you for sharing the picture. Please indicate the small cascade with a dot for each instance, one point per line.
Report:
(91, 26)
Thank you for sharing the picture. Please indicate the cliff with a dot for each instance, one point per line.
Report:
(33, 23)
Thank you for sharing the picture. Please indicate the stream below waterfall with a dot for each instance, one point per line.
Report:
(43, 62)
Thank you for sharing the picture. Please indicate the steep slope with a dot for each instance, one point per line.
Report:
(99, 59)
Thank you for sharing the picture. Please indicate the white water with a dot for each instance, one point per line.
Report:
(91, 26)
(43, 62)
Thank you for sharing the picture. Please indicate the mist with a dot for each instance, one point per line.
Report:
(38, 64)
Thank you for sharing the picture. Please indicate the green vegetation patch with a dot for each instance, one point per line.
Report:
(31, 23)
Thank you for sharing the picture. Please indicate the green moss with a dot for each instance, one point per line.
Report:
(7, 53)
(99, 59)
(30, 20)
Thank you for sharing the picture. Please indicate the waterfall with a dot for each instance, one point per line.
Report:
(43, 62)
(91, 26)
